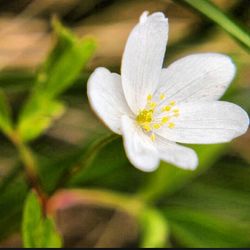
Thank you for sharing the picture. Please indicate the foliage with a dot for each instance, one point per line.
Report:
(38, 231)
(154, 229)
(58, 73)
(208, 207)
(211, 11)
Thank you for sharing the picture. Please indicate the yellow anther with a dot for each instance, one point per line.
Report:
(152, 105)
(144, 116)
(162, 96)
(148, 118)
(152, 137)
(171, 125)
(147, 127)
(164, 119)
(166, 108)
(157, 126)
(149, 98)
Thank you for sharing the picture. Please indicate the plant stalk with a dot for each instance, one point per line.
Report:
(211, 11)
(31, 168)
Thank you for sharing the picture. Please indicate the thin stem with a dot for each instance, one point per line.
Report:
(30, 166)
(211, 11)
(88, 158)
(92, 152)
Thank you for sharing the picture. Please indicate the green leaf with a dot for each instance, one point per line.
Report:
(13, 81)
(31, 219)
(212, 211)
(211, 11)
(60, 70)
(168, 178)
(37, 117)
(38, 231)
(20, 82)
(65, 62)
(12, 197)
(154, 229)
(5, 118)
(199, 229)
(49, 237)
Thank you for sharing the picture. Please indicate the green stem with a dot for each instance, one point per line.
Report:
(211, 11)
(154, 228)
(92, 152)
(30, 166)
(88, 158)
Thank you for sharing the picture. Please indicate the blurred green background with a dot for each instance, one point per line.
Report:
(90, 194)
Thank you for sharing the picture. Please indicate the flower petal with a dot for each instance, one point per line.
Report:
(178, 155)
(143, 58)
(107, 99)
(198, 77)
(138, 146)
(207, 122)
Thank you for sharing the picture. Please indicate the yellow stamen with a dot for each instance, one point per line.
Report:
(157, 126)
(164, 119)
(152, 105)
(152, 137)
(149, 98)
(153, 117)
(162, 96)
(147, 127)
(171, 125)
(166, 108)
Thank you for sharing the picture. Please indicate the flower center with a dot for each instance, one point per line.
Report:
(155, 115)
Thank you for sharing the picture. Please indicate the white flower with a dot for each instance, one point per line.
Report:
(154, 107)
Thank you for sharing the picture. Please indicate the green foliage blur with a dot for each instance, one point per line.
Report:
(209, 207)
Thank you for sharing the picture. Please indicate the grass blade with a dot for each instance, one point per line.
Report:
(211, 11)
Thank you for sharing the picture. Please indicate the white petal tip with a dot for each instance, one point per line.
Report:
(190, 165)
(156, 15)
(146, 164)
(228, 63)
(144, 16)
(243, 125)
(178, 155)
(231, 66)
(145, 167)
(101, 69)
(245, 122)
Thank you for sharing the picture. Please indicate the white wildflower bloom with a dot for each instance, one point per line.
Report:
(154, 107)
